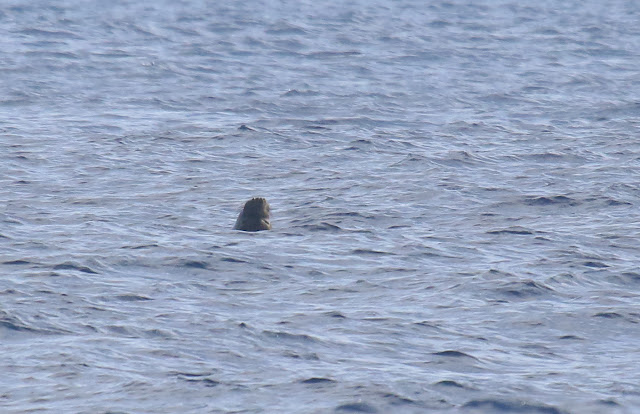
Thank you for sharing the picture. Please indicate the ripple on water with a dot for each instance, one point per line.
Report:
(555, 201)
(518, 230)
(453, 354)
(196, 264)
(74, 266)
(11, 324)
(324, 226)
(17, 262)
(132, 297)
(500, 406)
(317, 380)
(15, 324)
(357, 407)
(524, 289)
(289, 337)
(201, 379)
(450, 384)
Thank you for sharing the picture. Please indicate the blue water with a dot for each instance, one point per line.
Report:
(455, 189)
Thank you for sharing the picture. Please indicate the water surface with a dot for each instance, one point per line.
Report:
(454, 188)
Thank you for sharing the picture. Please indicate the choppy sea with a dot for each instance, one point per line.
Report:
(455, 188)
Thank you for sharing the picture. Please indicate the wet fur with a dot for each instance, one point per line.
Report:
(255, 216)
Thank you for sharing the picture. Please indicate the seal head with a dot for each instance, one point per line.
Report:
(254, 216)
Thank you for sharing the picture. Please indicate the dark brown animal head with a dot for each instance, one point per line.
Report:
(255, 216)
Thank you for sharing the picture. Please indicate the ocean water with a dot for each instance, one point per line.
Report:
(455, 188)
